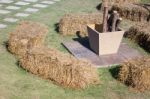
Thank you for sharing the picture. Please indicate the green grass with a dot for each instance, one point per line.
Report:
(16, 83)
(145, 1)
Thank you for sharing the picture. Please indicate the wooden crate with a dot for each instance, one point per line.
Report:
(104, 43)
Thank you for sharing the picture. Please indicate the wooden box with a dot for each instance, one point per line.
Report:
(104, 43)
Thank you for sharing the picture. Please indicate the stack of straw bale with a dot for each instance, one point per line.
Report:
(122, 1)
(70, 24)
(136, 73)
(27, 42)
(112, 2)
(140, 33)
(132, 11)
(63, 69)
(27, 34)
(126, 1)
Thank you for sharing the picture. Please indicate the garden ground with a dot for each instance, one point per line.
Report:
(16, 83)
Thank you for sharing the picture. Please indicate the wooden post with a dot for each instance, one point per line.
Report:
(116, 16)
(109, 22)
(118, 24)
(105, 16)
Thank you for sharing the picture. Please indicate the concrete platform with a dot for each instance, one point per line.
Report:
(83, 51)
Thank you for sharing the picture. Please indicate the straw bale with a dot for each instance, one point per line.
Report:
(122, 1)
(70, 24)
(112, 2)
(140, 34)
(132, 11)
(63, 69)
(136, 73)
(27, 34)
(126, 1)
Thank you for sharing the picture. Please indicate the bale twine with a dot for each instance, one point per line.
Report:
(131, 11)
(70, 24)
(136, 73)
(63, 69)
(140, 33)
(27, 34)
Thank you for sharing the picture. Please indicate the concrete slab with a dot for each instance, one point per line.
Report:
(40, 5)
(22, 3)
(48, 2)
(13, 7)
(2, 26)
(12, 20)
(31, 0)
(83, 52)
(6, 1)
(31, 10)
(56, 0)
(4, 11)
(22, 14)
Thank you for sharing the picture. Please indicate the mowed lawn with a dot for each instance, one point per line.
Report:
(16, 83)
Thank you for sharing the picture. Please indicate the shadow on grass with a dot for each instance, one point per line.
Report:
(140, 42)
(114, 71)
(99, 6)
(20, 67)
(5, 44)
(56, 25)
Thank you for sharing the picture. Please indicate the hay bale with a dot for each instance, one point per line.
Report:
(121, 1)
(27, 42)
(63, 69)
(125, 1)
(72, 23)
(27, 34)
(131, 11)
(112, 2)
(136, 73)
(140, 34)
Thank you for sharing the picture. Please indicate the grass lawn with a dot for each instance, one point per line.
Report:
(16, 83)
(145, 1)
